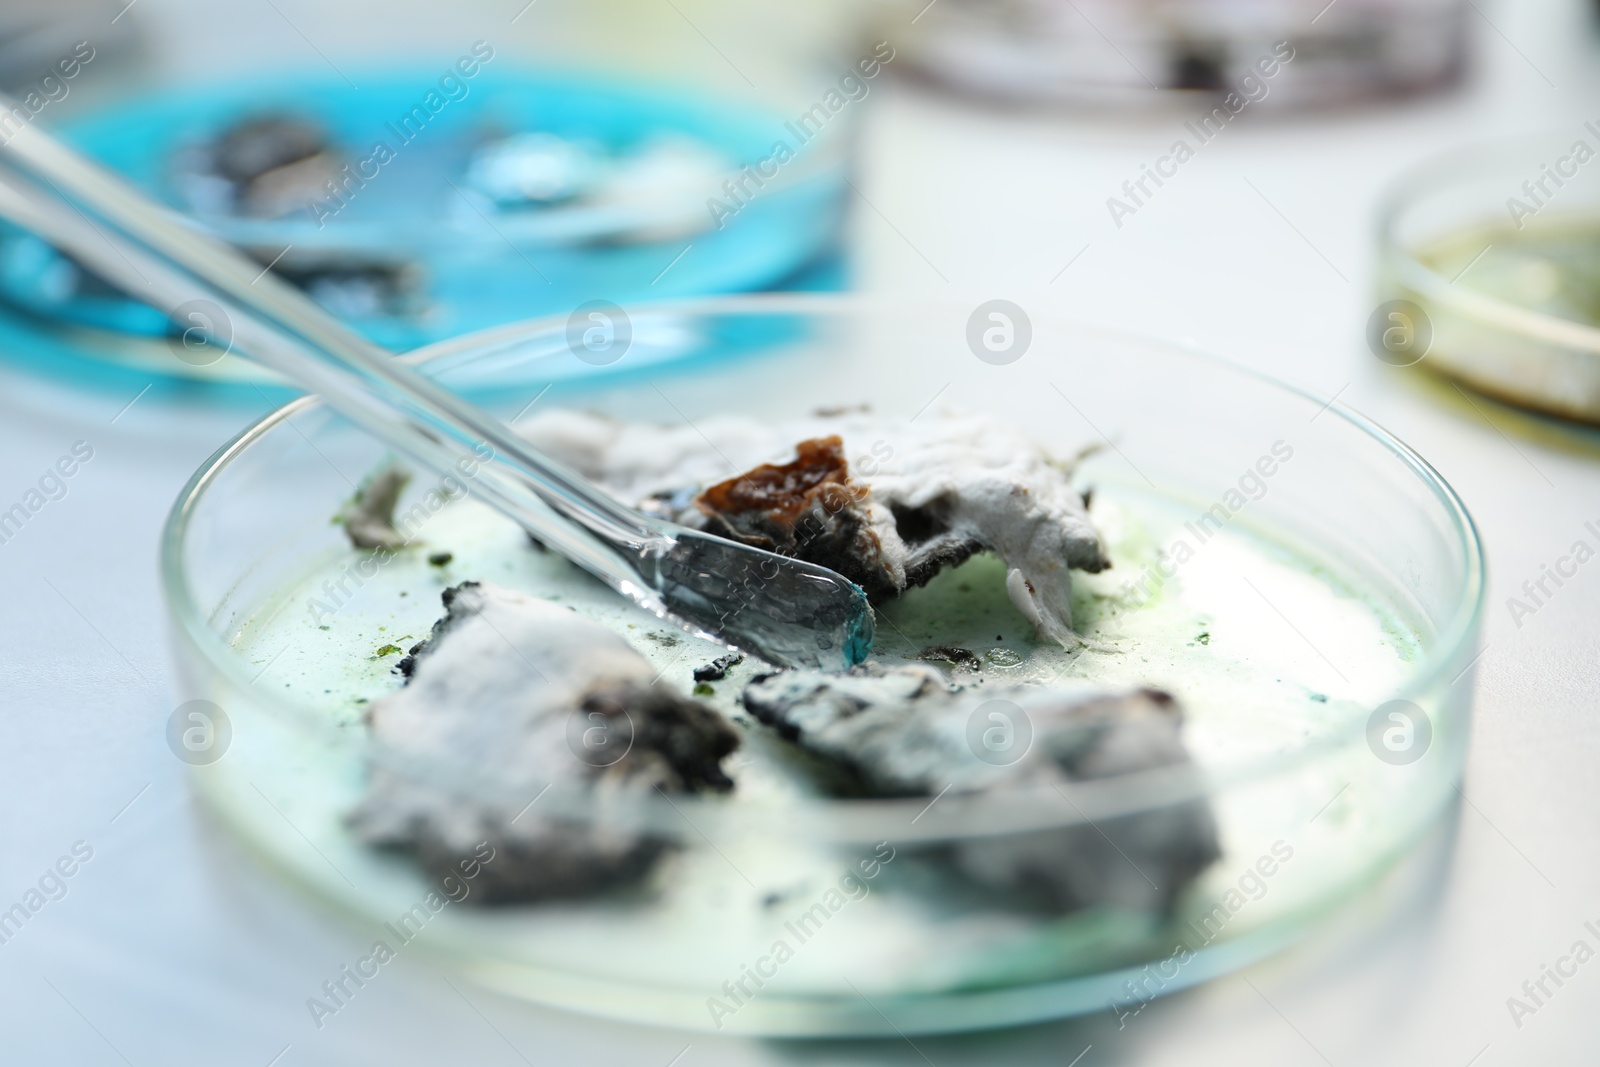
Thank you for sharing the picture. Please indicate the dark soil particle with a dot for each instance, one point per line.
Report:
(717, 669)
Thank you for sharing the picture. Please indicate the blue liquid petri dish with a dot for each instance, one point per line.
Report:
(432, 209)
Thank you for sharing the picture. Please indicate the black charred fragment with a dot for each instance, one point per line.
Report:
(717, 669)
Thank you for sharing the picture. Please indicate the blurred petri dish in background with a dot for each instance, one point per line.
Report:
(1496, 249)
(1140, 52)
(433, 203)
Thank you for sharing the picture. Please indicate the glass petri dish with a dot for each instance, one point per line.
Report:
(1493, 255)
(408, 243)
(1314, 605)
(1113, 53)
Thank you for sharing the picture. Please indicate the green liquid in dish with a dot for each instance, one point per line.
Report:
(1266, 651)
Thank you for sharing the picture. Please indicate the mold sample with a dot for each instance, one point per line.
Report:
(279, 166)
(538, 169)
(923, 496)
(528, 694)
(811, 509)
(534, 169)
(265, 166)
(902, 732)
(368, 518)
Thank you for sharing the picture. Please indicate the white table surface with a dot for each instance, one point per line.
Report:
(172, 948)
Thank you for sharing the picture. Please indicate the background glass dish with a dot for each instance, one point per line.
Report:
(1357, 507)
(442, 265)
(1508, 279)
(1117, 53)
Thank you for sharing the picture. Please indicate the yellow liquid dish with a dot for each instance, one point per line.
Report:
(1497, 251)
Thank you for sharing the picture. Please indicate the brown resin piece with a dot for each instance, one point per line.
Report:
(807, 508)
